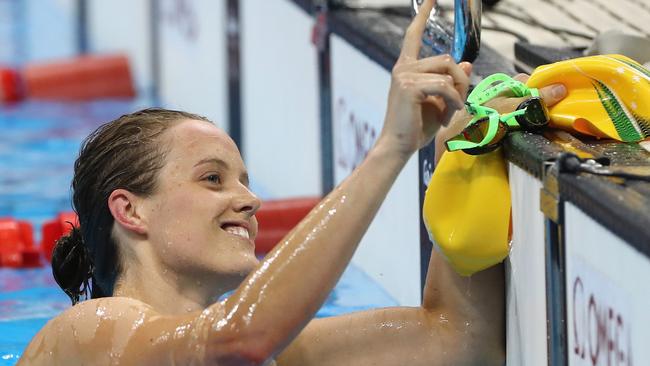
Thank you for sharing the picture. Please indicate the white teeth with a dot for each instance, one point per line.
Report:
(238, 230)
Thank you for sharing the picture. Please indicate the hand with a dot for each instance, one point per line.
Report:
(424, 94)
(550, 95)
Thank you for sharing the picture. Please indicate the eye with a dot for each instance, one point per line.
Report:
(213, 178)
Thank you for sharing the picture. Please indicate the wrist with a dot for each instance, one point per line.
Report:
(391, 151)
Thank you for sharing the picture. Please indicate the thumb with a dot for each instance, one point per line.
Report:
(466, 67)
(553, 93)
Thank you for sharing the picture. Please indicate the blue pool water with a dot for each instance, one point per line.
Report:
(38, 144)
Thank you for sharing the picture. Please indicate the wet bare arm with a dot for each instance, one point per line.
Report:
(275, 302)
(461, 320)
(393, 337)
(278, 300)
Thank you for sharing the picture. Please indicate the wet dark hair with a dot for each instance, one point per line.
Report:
(125, 153)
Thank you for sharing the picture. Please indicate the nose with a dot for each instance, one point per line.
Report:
(246, 202)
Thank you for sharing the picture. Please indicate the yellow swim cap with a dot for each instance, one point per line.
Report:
(608, 96)
(467, 204)
(467, 210)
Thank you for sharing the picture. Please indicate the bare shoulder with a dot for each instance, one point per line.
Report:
(107, 330)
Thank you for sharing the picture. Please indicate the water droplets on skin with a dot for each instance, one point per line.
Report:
(166, 247)
(138, 322)
(199, 330)
(467, 324)
(101, 311)
(75, 334)
(391, 325)
(325, 220)
(123, 331)
(114, 357)
(249, 304)
(443, 318)
(181, 331)
(162, 338)
(386, 325)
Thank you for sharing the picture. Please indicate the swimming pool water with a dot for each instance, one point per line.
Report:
(38, 144)
(28, 299)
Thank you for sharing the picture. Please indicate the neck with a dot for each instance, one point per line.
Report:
(168, 291)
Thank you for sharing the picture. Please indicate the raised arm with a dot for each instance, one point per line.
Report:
(278, 300)
(461, 320)
(275, 302)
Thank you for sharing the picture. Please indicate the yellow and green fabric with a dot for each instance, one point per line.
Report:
(467, 204)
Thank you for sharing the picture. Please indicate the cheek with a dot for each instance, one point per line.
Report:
(254, 227)
(186, 214)
(169, 216)
(180, 201)
(171, 211)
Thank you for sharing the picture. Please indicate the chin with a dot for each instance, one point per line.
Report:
(233, 278)
(244, 266)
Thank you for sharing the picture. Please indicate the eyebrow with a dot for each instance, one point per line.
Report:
(212, 160)
(242, 178)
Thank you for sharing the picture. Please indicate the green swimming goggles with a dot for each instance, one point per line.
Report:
(486, 130)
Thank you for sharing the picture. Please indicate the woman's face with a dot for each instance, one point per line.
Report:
(201, 219)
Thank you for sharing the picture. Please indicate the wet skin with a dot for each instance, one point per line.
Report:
(157, 315)
(184, 245)
(195, 234)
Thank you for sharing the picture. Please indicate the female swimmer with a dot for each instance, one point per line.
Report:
(167, 226)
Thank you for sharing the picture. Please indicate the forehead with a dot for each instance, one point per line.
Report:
(195, 140)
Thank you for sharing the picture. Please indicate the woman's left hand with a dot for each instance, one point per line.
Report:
(550, 95)
(424, 94)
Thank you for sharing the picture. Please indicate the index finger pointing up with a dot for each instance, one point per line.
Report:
(413, 36)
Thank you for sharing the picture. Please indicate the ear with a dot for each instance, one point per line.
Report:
(124, 208)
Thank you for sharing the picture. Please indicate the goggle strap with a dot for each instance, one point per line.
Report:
(493, 128)
(484, 92)
(509, 118)
(454, 145)
(479, 112)
(486, 83)
(534, 92)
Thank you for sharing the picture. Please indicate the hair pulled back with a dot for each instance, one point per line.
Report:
(125, 153)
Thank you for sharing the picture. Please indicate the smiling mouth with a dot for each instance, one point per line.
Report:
(237, 230)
